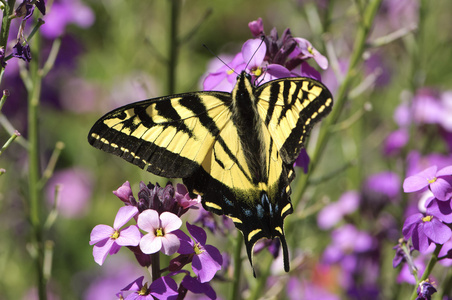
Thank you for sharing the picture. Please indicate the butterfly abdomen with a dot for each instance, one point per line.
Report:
(249, 128)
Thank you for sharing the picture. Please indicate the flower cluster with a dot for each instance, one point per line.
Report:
(267, 57)
(426, 107)
(431, 225)
(25, 10)
(157, 214)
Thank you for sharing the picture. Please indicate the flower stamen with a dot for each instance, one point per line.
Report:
(115, 235)
(159, 232)
(427, 218)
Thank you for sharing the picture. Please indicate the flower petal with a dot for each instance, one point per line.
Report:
(100, 252)
(194, 286)
(447, 171)
(186, 243)
(170, 221)
(124, 192)
(419, 181)
(170, 244)
(198, 234)
(100, 232)
(148, 220)
(149, 243)
(205, 266)
(124, 215)
(164, 288)
(419, 239)
(253, 52)
(440, 209)
(129, 236)
(442, 188)
(410, 224)
(437, 231)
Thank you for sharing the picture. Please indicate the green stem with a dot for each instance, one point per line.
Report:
(4, 97)
(342, 95)
(33, 169)
(428, 269)
(173, 45)
(237, 267)
(9, 141)
(4, 31)
(261, 280)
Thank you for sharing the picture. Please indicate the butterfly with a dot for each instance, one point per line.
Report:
(236, 150)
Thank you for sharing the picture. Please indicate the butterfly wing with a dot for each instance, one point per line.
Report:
(168, 136)
(289, 108)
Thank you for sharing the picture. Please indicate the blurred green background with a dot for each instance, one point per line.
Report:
(120, 59)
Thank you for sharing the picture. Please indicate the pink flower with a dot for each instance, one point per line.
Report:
(108, 240)
(160, 234)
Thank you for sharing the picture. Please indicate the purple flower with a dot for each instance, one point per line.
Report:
(307, 291)
(439, 182)
(406, 272)
(182, 197)
(426, 108)
(440, 209)
(22, 51)
(346, 241)
(206, 260)
(209, 221)
(425, 290)
(395, 141)
(305, 50)
(272, 245)
(2, 57)
(197, 287)
(445, 254)
(401, 253)
(24, 10)
(386, 183)
(157, 198)
(160, 230)
(74, 192)
(303, 160)
(446, 103)
(256, 27)
(113, 274)
(108, 240)
(423, 230)
(161, 288)
(266, 58)
(331, 214)
(124, 193)
(63, 13)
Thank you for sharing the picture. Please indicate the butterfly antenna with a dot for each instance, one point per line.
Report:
(208, 49)
(262, 40)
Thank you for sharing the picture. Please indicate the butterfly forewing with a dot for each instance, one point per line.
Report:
(290, 107)
(168, 136)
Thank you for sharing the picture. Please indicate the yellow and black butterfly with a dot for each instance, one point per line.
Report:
(236, 150)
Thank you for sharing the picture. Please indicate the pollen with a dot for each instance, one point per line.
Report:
(229, 72)
(115, 235)
(197, 249)
(427, 218)
(159, 232)
(257, 72)
(430, 181)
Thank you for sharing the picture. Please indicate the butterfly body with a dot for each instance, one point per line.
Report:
(236, 150)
